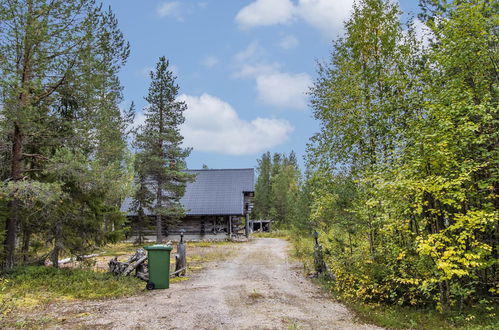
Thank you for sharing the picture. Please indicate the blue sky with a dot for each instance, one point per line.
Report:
(243, 68)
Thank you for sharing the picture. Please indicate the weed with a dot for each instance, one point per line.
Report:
(254, 295)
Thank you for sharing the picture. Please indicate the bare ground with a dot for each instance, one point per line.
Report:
(259, 287)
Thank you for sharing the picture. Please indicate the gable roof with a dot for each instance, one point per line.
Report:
(213, 192)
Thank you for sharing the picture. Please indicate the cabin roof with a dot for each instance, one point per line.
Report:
(213, 192)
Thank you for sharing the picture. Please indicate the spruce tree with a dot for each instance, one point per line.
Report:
(160, 143)
(263, 188)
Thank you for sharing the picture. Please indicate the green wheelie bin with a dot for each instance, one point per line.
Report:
(158, 260)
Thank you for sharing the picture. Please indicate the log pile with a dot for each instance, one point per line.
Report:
(137, 263)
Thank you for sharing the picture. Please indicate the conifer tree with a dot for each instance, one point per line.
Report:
(58, 59)
(143, 197)
(160, 144)
(263, 188)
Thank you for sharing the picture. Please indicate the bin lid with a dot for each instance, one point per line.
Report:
(159, 247)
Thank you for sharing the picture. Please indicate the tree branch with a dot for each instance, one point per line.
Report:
(35, 156)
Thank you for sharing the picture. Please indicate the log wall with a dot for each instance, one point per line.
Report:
(194, 227)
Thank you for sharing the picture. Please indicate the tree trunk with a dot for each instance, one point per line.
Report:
(17, 147)
(159, 225)
(12, 220)
(140, 230)
(57, 244)
(25, 247)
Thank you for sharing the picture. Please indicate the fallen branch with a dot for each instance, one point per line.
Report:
(133, 266)
(135, 262)
(178, 271)
(68, 260)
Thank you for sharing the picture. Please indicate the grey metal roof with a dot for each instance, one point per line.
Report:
(214, 192)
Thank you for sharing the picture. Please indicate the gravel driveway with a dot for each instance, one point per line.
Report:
(258, 288)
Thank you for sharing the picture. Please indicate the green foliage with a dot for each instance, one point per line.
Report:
(161, 157)
(278, 191)
(263, 188)
(397, 317)
(403, 173)
(63, 150)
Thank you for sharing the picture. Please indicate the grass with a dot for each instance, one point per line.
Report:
(209, 243)
(26, 288)
(118, 249)
(399, 317)
(26, 292)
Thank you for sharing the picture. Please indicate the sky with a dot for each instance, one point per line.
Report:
(243, 66)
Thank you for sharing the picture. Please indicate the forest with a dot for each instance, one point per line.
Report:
(69, 154)
(401, 181)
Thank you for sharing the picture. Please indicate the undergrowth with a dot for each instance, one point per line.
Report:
(29, 287)
(481, 317)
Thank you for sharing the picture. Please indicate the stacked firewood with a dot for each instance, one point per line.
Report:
(137, 263)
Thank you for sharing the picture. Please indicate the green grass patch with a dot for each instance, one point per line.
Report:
(208, 243)
(29, 287)
(118, 249)
(397, 317)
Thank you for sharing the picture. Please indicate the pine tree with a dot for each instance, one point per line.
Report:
(159, 142)
(55, 58)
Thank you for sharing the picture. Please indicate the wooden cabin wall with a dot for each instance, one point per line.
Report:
(196, 225)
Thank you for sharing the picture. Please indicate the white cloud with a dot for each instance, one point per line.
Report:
(288, 42)
(283, 89)
(258, 69)
(265, 12)
(274, 87)
(139, 119)
(210, 61)
(325, 15)
(254, 52)
(170, 9)
(212, 125)
(423, 32)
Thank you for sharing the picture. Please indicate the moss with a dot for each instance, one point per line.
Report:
(25, 288)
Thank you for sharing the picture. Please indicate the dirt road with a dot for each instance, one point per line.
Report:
(260, 287)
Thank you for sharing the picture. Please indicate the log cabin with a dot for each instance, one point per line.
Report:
(217, 204)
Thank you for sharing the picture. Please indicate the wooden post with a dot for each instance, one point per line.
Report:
(180, 257)
(230, 225)
(246, 226)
